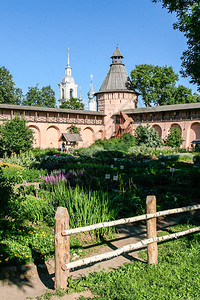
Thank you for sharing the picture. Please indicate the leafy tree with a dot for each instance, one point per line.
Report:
(155, 83)
(188, 16)
(33, 96)
(8, 93)
(72, 103)
(147, 136)
(19, 96)
(48, 96)
(158, 86)
(15, 136)
(183, 94)
(74, 129)
(43, 98)
(174, 139)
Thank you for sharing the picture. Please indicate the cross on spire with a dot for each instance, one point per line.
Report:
(91, 76)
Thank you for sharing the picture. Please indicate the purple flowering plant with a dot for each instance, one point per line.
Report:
(57, 177)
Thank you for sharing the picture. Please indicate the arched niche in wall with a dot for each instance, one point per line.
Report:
(175, 125)
(88, 136)
(158, 129)
(99, 135)
(52, 137)
(195, 131)
(36, 136)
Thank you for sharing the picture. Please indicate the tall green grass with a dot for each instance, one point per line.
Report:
(84, 207)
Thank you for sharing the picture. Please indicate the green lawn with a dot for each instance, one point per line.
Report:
(175, 277)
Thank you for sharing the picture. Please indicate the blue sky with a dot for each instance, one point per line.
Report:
(35, 36)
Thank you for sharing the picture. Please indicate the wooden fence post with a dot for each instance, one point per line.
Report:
(152, 249)
(62, 248)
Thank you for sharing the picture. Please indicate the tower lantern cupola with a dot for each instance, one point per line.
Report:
(117, 57)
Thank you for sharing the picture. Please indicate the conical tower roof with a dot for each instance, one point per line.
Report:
(117, 78)
(117, 53)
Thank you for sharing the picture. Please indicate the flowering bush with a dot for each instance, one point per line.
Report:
(24, 244)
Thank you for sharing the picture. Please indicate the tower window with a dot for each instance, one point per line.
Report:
(71, 93)
(63, 94)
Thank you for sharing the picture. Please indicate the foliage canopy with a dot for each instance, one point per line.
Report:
(72, 103)
(157, 86)
(9, 94)
(148, 136)
(188, 16)
(15, 136)
(44, 97)
(73, 129)
(174, 139)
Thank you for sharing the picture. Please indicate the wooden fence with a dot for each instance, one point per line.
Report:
(62, 238)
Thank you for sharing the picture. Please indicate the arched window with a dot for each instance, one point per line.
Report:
(71, 93)
(63, 94)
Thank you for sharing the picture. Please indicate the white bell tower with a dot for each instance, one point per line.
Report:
(92, 102)
(67, 87)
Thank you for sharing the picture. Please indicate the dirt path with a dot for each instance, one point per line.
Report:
(36, 280)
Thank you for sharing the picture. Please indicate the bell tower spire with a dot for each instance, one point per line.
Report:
(92, 103)
(68, 65)
(68, 69)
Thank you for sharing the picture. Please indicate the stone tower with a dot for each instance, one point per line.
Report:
(67, 87)
(116, 93)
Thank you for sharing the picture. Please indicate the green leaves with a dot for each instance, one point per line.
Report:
(8, 93)
(15, 136)
(147, 136)
(155, 83)
(188, 16)
(74, 129)
(34, 97)
(174, 139)
(72, 103)
(44, 97)
(158, 86)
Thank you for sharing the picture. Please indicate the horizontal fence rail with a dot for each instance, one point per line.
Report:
(62, 238)
(127, 248)
(131, 220)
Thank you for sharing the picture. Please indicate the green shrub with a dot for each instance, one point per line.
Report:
(186, 157)
(13, 252)
(17, 174)
(16, 136)
(128, 139)
(174, 138)
(148, 136)
(108, 156)
(24, 159)
(91, 151)
(6, 195)
(32, 209)
(21, 244)
(196, 158)
(53, 162)
(13, 173)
